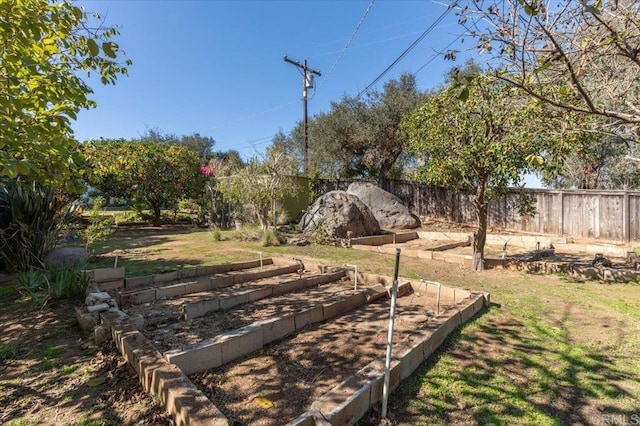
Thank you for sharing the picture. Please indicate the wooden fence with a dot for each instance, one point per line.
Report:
(603, 215)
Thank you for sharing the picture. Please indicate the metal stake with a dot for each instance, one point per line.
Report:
(355, 268)
(392, 314)
(260, 254)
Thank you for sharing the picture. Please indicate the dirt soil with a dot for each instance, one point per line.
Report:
(281, 381)
(167, 331)
(51, 374)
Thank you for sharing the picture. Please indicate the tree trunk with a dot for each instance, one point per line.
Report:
(383, 180)
(480, 236)
(157, 215)
(263, 217)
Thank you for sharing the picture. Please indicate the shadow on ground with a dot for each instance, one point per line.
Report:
(500, 369)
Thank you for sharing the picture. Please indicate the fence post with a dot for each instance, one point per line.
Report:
(561, 213)
(626, 218)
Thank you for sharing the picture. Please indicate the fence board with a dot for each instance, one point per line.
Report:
(603, 215)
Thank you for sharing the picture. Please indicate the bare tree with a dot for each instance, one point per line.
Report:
(578, 56)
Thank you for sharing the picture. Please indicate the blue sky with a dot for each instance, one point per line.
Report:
(216, 67)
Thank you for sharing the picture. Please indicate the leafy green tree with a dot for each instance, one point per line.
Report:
(358, 137)
(382, 141)
(201, 145)
(597, 162)
(99, 227)
(213, 202)
(45, 47)
(231, 158)
(157, 174)
(481, 145)
(585, 167)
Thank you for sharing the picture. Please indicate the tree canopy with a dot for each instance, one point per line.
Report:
(359, 136)
(145, 171)
(260, 184)
(480, 146)
(201, 145)
(45, 47)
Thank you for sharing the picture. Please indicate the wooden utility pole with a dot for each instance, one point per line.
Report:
(307, 83)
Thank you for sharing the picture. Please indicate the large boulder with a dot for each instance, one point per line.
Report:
(342, 215)
(386, 207)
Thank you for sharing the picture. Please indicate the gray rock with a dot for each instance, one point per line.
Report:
(86, 320)
(386, 207)
(101, 334)
(97, 298)
(342, 215)
(98, 308)
(67, 256)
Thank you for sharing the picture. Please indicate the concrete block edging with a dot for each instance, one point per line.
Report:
(346, 403)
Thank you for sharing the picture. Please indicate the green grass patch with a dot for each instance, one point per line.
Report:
(70, 369)
(9, 351)
(518, 365)
(50, 356)
(84, 421)
(71, 395)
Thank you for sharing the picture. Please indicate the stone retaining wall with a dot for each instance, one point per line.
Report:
(342, 405)
(151, 294)
(182, 399)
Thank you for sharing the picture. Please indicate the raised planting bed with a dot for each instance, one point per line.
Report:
(300, 347)
(279, 381)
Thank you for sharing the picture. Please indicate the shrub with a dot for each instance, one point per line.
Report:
(215, 233)
(248, 232)
(139, 211)
(99, 227)
(31, 217)
(255, 233)
(280, 214)
(270, 239)
(323, 234)
(53, 282)
(66, 281)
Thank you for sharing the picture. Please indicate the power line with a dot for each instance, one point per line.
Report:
(407, 50)
(371, 43)
(253, 143)
(437, 54)
(374, 31)
(346, 46)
